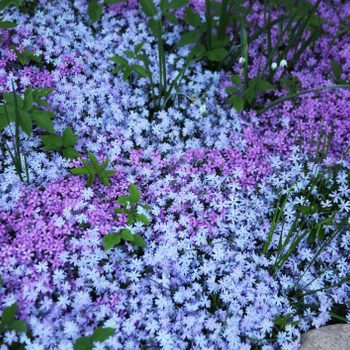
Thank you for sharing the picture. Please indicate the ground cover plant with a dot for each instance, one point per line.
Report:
(174, 174)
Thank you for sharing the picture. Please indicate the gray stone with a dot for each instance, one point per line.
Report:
(334, 337)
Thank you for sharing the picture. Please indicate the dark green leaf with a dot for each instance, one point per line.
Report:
(26, 123)
(68, 137)
(83, 343)
(102, 334)
(9, 313)
(217, 55)
(44, 122)
(139, 241)
(79, 171)
(111, 240)
(126, 235)
(7, 25)
(192, 18)
(70, 153)
(148, 8)
(123, 200)
(52, 142)
(120, 60)
(134, 194)
(18, 326)
(94, 11)
(237, 103)
(142, 218)
(189, 38)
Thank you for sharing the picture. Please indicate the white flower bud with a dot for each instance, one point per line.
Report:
(273, 65)
(241, 60)
(283, 63)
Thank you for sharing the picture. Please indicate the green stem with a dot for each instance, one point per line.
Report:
(290, 97)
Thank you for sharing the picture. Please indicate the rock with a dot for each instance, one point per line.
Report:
(334, 337)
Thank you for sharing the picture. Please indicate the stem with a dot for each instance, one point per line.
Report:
(208, 23)
(290, 97)
(223, 20)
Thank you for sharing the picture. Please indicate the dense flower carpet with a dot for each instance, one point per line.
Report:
(174, 174)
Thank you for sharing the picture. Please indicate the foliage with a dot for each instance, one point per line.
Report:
(95, 9)
(155, 24)
(129, 206)
(93, 169)
(63, 144)
(9, 323)
(100, 335)
(3, 5)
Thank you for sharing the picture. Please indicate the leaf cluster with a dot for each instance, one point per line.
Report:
(94, 170)
(100, 335)
(128, 205)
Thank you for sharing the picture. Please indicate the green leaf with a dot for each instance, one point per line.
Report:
(236, 79)
(43, 121)
(79, 171)
(148, 8)
(94, 162)
(139, 241)
(120, 60)
(337, 69)
(9, 313)
(28, 99)
(52, 142)
(83, 343)
(40, 93)
(123, 200)
(192, 18)
(140, 70)
(26, 123)
(94, 11)
(188, 38)
(68, 137)
(155, 27)
(7, 25)
(111, 240)
(102, 334)
(142, 218)
(217, 55)
(126, 235)
(173, 5)
(70, 153)
(134, 194)
(237, 103)
(18, 326)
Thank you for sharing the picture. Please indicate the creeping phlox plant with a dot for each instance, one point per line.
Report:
(131, 207)
(231, 116)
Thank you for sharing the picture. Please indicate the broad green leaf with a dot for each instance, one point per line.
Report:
(94, 161)
(123, 200)
(142, 218)
(155, 27)
(192, 18)
(9, 313)
(236, 79)
(126, 235)
(134, 194)
(120, 60)
(139, 241)
(70, 153)
(7, 25)
(83, 343)
(140, 70)
(52, 142)
(43, 122)
(94, 11)
(188, 38)
(68, 137)
(79, 171)
(237, 103)
(148, 8)
(111, 240)
(18, 326)
(217, 55)
(26, 123)
(102, 334)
